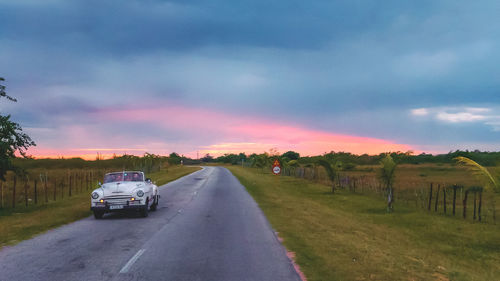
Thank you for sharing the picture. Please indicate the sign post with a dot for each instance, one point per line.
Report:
(276, 167)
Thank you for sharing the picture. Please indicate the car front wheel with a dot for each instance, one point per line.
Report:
(98, 214)
(144, 211)
(155, 203)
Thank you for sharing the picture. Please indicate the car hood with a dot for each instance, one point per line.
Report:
(121, 188)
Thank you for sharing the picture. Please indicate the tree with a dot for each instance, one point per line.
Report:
(242, 156)
(207, 158)
(482, 174)
(386, 175)
(13, 139)
(174, 159)
(479, 172)
(331, 170)
(291, 155)
(260, 161)
(150, 161)
(3, 93)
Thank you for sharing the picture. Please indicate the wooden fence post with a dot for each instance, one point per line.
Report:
(36, 194)
(45, 190)
(55, 189)
(26, 193)
(480, 203)
(444, 199)
(474, 216)
(14, 193)
(62, 188)
(437, 198)
(465, 203)
(70, 185)
(454, 197)
(430, 199)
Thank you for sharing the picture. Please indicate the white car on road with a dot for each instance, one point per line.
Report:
(124, 191)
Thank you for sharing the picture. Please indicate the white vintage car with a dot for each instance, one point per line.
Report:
(124, 191)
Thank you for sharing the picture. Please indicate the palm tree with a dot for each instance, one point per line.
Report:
(483, 175)
(261, 161)
(479, 172)
(293, 164)
(386, 175)
(331, 170)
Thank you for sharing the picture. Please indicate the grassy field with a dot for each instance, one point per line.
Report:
(413, 186)
(24, 222)
(408, 176)
(348, 236)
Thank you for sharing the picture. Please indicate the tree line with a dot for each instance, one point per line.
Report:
(350, 160)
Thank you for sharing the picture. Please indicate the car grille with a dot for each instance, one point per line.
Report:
(117, 199)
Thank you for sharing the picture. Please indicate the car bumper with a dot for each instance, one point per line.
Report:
(123, 208)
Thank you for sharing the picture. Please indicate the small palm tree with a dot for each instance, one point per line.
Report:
(331, 171)
(261, 161)
(480, 172)
(386, 175)
(483, 175)
(293, 163)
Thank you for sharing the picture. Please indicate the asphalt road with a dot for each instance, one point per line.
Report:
(207, 227)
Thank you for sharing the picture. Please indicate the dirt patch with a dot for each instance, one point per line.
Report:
(291, 256)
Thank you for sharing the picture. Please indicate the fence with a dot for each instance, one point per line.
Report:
(42, 187)
(446, 198)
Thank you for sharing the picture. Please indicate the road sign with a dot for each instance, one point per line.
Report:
(276, 167)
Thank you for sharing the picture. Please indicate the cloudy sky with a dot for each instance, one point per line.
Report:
(230, 76)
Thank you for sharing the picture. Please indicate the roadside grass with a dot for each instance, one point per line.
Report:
(172, 173)
(347, 236)
(25, 222)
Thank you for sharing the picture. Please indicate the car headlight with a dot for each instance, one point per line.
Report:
(95, 195)
(140, 193)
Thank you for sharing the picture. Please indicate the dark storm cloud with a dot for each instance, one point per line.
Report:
(356, 67)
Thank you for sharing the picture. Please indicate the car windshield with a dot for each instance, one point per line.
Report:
(123, 176)
(133, 176)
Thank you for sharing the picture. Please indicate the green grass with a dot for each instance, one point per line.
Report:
(346, 236)
(173, 173)
(25, 222)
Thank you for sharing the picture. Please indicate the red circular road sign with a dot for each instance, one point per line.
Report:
(276, 167)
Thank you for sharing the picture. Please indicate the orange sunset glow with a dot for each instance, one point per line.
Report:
(228, 134)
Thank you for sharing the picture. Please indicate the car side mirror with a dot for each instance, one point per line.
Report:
(148, 180)
(100, 184)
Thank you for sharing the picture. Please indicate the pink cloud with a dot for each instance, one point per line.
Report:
(207, 132)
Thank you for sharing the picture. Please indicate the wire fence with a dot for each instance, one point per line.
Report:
(43, 186)
(447, 198)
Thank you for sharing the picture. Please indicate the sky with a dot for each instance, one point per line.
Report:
(197, 77)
